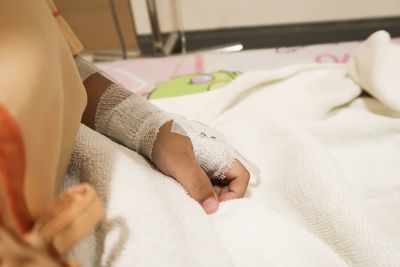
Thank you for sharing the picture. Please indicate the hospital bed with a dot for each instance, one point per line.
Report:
(321, 125)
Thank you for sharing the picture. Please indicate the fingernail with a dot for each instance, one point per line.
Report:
(210, 205)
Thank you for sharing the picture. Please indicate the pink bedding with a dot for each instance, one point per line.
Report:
(142, 75)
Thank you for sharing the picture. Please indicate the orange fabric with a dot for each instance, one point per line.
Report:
(12, 167)
(68, 219)
(42, 91)
(42, 99)
(74, 44)
(63, 223)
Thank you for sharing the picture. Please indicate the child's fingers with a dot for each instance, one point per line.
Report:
(238, 178)
(188, 172)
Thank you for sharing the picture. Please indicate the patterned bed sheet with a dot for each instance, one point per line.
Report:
(195, 73)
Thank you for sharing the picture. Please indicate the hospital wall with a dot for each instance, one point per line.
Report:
(214, 14)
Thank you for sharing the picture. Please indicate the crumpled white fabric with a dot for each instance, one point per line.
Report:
(329, 191)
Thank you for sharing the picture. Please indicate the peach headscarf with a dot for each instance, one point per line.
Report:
(40, 88)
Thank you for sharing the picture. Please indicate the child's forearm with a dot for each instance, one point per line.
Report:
(134, 121)
(119, 113)
(187, 150)
(95, 86)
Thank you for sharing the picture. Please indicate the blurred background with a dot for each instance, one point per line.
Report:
(107, 27)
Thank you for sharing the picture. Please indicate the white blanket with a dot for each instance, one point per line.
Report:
(329, 187)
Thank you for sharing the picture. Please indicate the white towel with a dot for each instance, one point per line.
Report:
(329, 189)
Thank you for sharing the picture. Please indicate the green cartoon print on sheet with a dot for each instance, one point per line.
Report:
(193, 83)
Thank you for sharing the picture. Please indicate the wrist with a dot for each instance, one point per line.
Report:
(129, 119)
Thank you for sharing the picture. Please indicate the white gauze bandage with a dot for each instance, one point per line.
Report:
(134, 121)
(130, 119)
(213, 154)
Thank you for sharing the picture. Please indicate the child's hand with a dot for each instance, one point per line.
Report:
(173, 155)
(132, 120)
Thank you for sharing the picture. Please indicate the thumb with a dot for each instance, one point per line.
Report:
(188, 172)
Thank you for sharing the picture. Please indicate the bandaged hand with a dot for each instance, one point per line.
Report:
(191, 152)
(206, 167)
